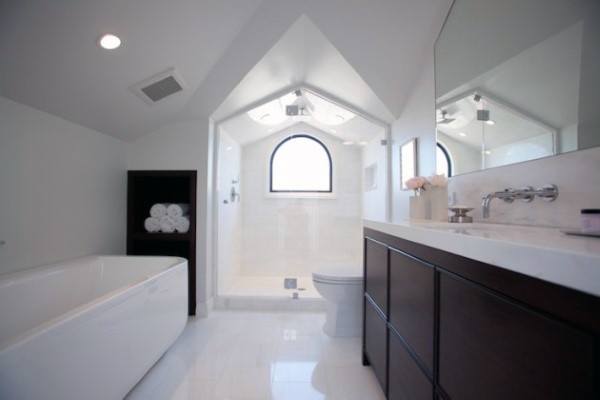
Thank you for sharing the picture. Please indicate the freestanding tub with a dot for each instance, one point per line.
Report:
(89, 328)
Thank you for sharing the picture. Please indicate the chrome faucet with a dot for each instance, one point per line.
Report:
(525, 194)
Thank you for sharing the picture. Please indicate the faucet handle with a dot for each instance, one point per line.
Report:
(526, 194)
(547, 192)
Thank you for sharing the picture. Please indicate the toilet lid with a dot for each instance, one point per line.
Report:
(339, 274)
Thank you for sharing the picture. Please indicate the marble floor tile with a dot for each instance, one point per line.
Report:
(242, 355)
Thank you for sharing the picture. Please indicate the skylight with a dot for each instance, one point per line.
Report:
(319, 109)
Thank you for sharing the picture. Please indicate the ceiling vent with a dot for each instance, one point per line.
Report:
(159, 86)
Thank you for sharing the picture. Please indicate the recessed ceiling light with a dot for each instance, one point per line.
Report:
(109, 41)
(490, 122)
(488, 152)
(348, 143)
(363, 143)
(462, 134)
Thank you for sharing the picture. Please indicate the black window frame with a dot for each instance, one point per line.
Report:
(447, 157)
(287, 139)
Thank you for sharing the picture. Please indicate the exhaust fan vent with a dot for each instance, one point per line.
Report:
(159, 86)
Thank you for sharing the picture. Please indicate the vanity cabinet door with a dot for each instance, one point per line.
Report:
(491, 348)
(376, 273)
(406, 380)
(412, 304)
(375, 342)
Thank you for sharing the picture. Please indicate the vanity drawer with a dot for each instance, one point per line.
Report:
(492, 348)
(406, 380)
(375, 341)
(412, 304)
(376, 273)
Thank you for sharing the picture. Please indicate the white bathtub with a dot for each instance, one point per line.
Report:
(89, 328)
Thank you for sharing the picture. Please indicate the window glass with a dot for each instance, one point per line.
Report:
(300, 163)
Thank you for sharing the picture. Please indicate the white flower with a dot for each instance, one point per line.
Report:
(416, 183)
(438, 181)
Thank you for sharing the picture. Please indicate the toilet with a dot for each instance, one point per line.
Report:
(342, 289)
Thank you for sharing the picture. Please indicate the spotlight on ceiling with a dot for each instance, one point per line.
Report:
(109, 41)
(490, 122)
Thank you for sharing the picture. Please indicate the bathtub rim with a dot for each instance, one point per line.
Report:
(98, 304)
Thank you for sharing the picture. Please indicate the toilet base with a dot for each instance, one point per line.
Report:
(343, 320)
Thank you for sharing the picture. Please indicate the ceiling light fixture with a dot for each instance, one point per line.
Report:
(462, 134)
(348, 143)
(490, 122)
(109, 41)
(363, 143)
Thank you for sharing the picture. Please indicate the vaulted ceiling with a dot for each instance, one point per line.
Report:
(50, 59)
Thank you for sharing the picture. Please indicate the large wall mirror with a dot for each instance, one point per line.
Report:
(517, 80)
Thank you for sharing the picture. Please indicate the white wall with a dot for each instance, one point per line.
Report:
(230, 213)
(375, 200)
(63, 189)
(292, 236)
(417, 121)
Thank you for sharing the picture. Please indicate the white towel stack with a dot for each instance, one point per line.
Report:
(168, 218)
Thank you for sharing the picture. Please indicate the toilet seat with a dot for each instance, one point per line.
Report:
(343, 275)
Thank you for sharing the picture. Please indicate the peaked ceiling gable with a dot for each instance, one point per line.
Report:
(304, 56)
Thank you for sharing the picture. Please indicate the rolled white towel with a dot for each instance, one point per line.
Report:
(177, 209)
(167, 224)
(152, 224)
(158, 210)
(182, 224)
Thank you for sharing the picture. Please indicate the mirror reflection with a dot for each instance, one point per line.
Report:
(517, 81)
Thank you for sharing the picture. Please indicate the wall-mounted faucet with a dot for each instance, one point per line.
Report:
(526, 194)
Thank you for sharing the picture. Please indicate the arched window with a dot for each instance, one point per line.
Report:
(444, 162)
(301, 163)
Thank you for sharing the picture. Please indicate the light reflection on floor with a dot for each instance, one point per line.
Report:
(259, 356)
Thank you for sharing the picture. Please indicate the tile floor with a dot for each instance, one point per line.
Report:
(240, 355)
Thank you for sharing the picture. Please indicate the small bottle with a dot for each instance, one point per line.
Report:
(590, 220)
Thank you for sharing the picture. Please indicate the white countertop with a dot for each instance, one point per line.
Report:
(544, 253)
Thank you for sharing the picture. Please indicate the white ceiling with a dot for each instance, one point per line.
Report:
(50, 60)
(304, 56)
(510, 127)
(244, 129)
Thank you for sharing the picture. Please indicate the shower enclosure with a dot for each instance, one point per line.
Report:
(289, 201)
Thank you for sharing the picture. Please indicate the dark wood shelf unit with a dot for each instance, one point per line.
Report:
(145, 188)
(162, 236)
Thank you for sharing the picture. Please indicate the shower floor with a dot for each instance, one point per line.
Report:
(270, 286)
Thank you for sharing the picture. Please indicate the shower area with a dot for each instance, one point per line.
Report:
(291, 185)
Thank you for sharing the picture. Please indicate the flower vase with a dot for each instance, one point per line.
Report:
(438, 203)
(418, 207)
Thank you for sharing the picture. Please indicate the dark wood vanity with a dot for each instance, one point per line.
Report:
(441, 326)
